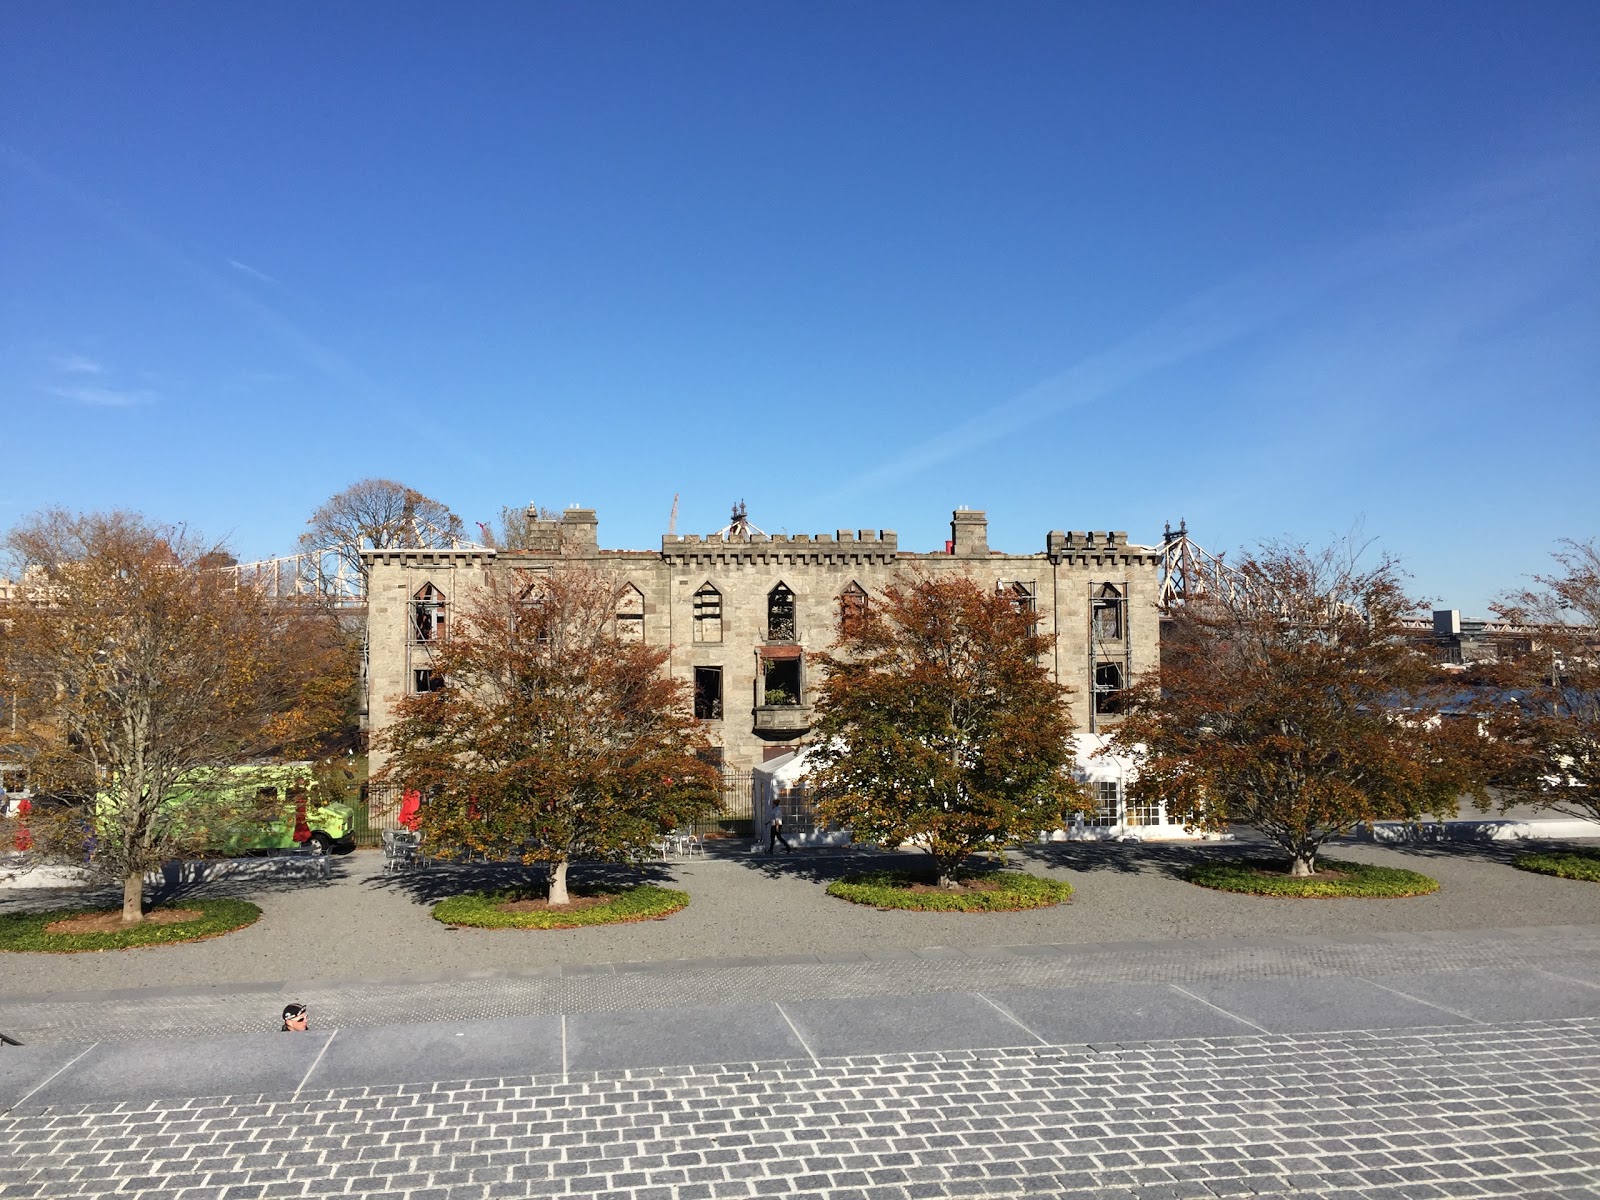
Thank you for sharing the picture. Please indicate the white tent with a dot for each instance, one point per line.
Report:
(1108, 776)
(780, 784)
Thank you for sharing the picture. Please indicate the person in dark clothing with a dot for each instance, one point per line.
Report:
(295, 1018)
(775, 833)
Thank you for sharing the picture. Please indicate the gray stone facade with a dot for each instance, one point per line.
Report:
(744, 613)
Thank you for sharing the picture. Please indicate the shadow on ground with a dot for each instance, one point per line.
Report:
(439, 881)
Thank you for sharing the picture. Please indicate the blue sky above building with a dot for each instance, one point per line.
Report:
(1278, 270)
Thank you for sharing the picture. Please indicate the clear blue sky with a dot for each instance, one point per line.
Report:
(1272, 268)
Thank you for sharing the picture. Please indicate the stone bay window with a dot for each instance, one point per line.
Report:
(780, 710)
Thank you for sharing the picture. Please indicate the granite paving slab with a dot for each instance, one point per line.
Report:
(1501, 995)
(900, 1024)
(24, 1068)
(1115, 1013)
(1321, 1005)
(131, 1071)
(409, 1053)
(679, 1037)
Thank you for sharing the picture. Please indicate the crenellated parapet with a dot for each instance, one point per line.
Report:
(1097, 546)
(401, 556)
(843, 546)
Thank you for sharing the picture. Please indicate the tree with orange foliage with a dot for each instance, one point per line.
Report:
(141, 672)
(552, 740)
(1294, 703)
(938, 725)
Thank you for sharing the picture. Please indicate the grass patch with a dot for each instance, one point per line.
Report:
(1569, 864)
(1334, 878)
(520, 908)
(978, 891)
(29, 931)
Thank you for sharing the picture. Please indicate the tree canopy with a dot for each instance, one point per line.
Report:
(938, 725)
(552, 740)
(1551, 724)
(1292, 702)
(140, 671)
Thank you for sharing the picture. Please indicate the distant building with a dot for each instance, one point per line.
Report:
(744, 612)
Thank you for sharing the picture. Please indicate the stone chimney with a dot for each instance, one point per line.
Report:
(580, 532)
(969, 533)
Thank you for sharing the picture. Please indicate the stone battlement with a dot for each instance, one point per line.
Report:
(844, 545)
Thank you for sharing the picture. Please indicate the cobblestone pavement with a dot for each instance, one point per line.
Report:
(1504, 1110)
(162, 1013)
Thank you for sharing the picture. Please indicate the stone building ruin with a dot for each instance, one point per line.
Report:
(744, 612)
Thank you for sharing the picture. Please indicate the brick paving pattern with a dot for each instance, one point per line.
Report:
(1511, 1109)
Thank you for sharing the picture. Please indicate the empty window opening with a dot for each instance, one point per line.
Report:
(426, 679)
(852, 609)
(1106, 613)
(1108, 687)
(707, 614)
(534, 608)
(630, 615)
(781, 682)
(427, 614)
(780, 614)
(1024, 598)
(708, 693)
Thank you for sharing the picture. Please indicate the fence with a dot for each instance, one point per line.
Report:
(379, 809)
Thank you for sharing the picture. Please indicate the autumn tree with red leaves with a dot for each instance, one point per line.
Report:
(938, 725)
(552, 740)
(1293, 702)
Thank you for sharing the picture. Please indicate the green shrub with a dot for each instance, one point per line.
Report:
(1268, 877)
(1013, 891)
(26, 931)
(482, 910)
(1569, 864)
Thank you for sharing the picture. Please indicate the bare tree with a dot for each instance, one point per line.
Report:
(379, 513)
(515, 526)
(141, 673)
(1293, 703)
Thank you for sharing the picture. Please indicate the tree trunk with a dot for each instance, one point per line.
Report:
(1305, 863)
(558, 884)
(133, 898)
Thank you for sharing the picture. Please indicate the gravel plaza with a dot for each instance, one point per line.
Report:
(1149, 1039)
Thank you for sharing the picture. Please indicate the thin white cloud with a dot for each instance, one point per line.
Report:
(247, 269)
(77, 364)
(103, 397)
(1251, 303)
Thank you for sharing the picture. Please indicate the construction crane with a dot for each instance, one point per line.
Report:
(672, 521)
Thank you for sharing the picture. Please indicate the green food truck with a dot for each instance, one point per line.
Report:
(258, 809)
